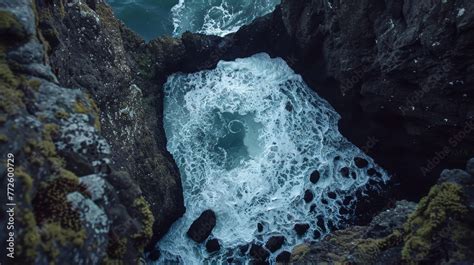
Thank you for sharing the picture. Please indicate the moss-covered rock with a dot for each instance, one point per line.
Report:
(54, 134)
(439, 231)
(444, 203)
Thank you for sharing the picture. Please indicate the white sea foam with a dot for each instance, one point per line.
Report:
(246, 137)
(217, 17)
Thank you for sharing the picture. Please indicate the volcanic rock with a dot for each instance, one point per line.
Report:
(202, 227)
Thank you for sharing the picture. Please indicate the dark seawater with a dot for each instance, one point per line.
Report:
(149, 18)
(153, 18)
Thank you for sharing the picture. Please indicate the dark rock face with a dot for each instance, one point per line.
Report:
(470, 166)
(91, 50)
(427, 233)
(154, 255)
(202, 227)
(68, 191)
(274, 243)
(399, 74)
(301, 229)
(212, 245)
(337, 246)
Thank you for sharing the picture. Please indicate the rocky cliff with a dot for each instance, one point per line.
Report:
(81, 113)
(73, 203)
(398, 72)
(439, 230)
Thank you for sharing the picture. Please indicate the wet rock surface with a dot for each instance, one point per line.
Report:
(202, 227)
(68, 192)
(91, 50)
(212, 245)
(301, 229)
(436, 230)
(399, 74)
(274, 243)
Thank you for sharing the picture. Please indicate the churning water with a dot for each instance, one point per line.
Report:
(217, 17)
(246, 137)
(151, 18)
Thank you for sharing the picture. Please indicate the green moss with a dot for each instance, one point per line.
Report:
(117, 247)
(367, 251)
(90, 108)
(63, 236)
(26, 182)
(3, 138)
(110, 261)
(6, 75)
(43, 153)
(3, 119)
(143, 236)
(80, 107)
(61, 115)
(299, 252)
(34, 83)
(11, 98)
(444, 202)
(51, 205)
(29, 238)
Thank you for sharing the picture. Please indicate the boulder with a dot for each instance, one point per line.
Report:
(259, 253)
(314, 178)
(308, 196)
(344, 172)
(212, 245)
(283, 257)
(301, 229)
(360, 162)
(274, 243)
(202, 227)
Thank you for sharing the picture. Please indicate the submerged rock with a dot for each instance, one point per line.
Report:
(258, 253)
(202, 227)
(314, 178)
(360, 162)
(283, 257)
(274, 243)
(212, 245)
(345, 172)
(301, 229)
(308, 196)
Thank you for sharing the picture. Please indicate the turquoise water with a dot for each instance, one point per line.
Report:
(153, 18)
(149, 18)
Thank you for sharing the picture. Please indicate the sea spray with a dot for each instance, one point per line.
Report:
(217, 17)
(246, 137)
